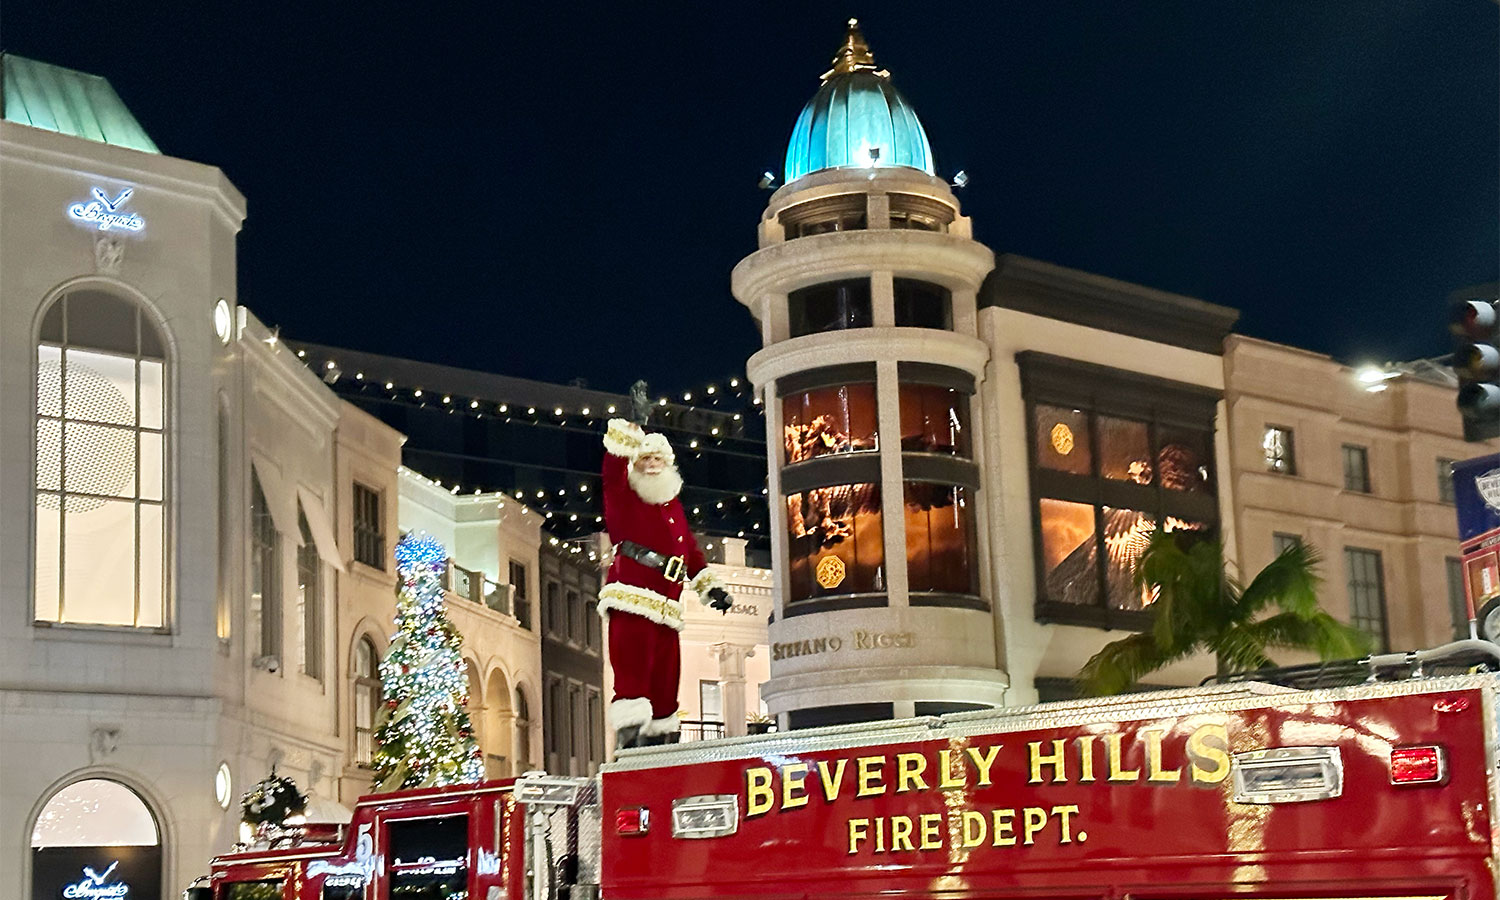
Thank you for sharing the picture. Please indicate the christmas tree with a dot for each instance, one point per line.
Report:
(425, 737)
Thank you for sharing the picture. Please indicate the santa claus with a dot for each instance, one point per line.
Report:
(656, 555)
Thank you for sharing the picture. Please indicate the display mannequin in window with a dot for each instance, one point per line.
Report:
(656, 555)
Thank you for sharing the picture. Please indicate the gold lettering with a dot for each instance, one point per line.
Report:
(975, 828)
(1057, 759)
(1067, 824)
(759, 798)
(901, 833)
(909, 769)
(880, 834)
(1113, 753)
(1005, 828)
(793, 778)
(1153, 759)
(870, 773)
(983, 763)
(930, 823)
(832, 786)
(1208, 749)
(1086, 758)
(859, 830)
(1034, 819)
(952, 769)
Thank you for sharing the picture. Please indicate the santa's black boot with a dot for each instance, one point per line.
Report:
(629, 736)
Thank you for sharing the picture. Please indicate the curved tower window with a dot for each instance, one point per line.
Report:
(100, 464)
(935, 419)
(835, 541)
(922, 304)
(833, 306)
(941, 552)
(822, 421)
(96, 838)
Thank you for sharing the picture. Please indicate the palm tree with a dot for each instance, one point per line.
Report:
(1199, 608)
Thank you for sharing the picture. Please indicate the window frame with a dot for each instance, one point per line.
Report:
(1458, 596)
(370, 680)
(904, 291)
(1356, 464)
(1288, 457)
(310, 568)
(1446, 493)
(852, 316)
(1360, 617)
(1163, 405)
(265, 562)
(145, 318)
(369, 527)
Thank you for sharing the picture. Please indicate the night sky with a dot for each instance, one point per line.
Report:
(560, 191)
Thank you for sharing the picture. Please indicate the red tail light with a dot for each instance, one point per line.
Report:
(632, 821)
(1426, 764)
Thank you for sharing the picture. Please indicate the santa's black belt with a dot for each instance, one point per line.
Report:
(672, 568)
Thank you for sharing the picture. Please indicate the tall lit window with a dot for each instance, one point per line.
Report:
(935, 419)
(523, 732)
(309, 602)
(1356, 468)
(941, 552)
(1115, 456)
(1367, 594)
(366, 699)
(825, 420)
(225, 585)
(710, 701)
(100, 464)
(1279, 451)
(265, 575)
(520, 602)
(835, 541)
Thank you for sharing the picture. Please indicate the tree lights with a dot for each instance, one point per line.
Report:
(425, 738)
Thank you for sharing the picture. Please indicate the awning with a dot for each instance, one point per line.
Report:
(321, 526)
(281, 500)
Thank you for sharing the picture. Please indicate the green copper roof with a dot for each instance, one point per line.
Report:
(46, 96)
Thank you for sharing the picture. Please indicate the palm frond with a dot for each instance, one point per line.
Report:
(1120, 664)
(1190, 601)
(1317, 631)
(1290, 582)
(1239, 649)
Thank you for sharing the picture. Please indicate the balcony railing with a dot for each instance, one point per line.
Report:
(701, 730)
(477, 588)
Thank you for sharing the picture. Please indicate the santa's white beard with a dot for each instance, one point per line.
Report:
(656, 489)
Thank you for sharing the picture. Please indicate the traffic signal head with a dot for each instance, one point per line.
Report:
(1475, 323)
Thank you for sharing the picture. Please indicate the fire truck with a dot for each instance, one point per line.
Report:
(1381, 789)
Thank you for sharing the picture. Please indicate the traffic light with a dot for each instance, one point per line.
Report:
(1475, 323)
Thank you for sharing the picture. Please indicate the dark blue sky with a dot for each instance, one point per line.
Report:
(560, 191)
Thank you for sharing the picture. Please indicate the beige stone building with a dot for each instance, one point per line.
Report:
(1316, 455)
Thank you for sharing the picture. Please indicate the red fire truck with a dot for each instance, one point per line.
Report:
(1379, 790)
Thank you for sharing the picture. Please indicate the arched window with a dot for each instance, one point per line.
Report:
(523, 733)
(100, 835)
(101, 464)
(366, 699)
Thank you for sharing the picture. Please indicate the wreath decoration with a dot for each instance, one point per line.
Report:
(272, 801)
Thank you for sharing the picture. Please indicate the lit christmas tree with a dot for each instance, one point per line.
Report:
(425, 737)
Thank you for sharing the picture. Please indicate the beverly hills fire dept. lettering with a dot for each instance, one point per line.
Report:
(1116, 757)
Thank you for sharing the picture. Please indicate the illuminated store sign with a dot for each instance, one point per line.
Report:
(97, 886)
(104, 213)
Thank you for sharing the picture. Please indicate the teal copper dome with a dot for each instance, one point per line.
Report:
(856, 119)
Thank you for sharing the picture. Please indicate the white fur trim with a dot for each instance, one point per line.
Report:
(643, 602)
(623, 438)
(704, 582)
(656, 443)
(665, 725)
(630, 711)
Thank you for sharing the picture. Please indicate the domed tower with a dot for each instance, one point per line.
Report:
(864, 286)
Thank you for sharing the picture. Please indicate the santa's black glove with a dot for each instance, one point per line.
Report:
(718, 598)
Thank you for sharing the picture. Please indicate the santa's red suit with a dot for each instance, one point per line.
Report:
(641, 604)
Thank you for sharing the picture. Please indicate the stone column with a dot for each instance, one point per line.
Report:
(731, 659)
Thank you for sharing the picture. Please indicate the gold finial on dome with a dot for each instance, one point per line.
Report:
(854, 55)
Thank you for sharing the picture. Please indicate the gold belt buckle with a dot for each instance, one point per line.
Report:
(676, 569)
